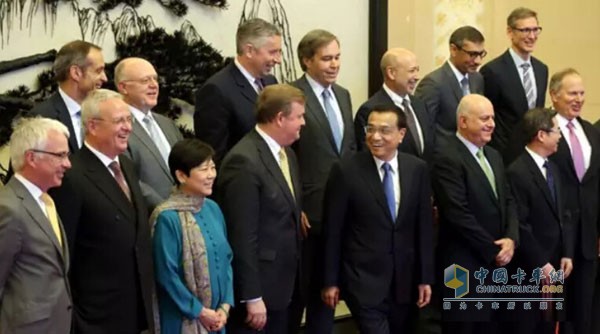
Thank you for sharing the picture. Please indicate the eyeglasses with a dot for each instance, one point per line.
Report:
(384, 130)
(59, 155)
(117, 121)
(472, 54)
(144, 80)
(526, 31)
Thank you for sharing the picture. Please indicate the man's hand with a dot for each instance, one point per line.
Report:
(424, 295)
(566, 264)
(257, 314)
(507, 250)
(547, 269)
(304, 224)
(331, 296)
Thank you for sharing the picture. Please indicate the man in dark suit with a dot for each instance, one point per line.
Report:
(260, 194)
(34, 288)
(106, 222)
(152, 135)
(478, 218)
(544, 234)
(400, 72)
(378, 230)
(225, 103)
(515, 82)
(578, 160)
(443, 88)
(327, 136)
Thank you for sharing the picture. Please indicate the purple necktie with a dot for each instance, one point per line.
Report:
(576, 151)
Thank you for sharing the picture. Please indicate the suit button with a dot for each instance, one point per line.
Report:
(69, 307)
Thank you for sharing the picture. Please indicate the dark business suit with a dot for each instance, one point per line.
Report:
(471, 217)
(109, 237)
(504, 88)
(545, 235)
(582, 200)
(155, 177)
(441, 92)
(317, 152)
(371, 257)
(263, 225)
(224, 110)
(55, 108)
(34, 289)
(408, 145)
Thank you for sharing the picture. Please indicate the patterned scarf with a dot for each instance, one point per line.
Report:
(194, 256)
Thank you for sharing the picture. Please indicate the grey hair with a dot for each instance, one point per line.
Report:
(254, 31)
(90, 107)
(31, 133)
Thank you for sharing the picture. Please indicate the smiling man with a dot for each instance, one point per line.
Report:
(327, 136)
(152, 134)
(400, 71)
(106, 222)
(378, 230)
(515, 82)
(443, 88)
(259, 191)
(225, 104)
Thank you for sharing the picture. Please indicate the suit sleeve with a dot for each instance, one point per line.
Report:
(491, 89)
(10, 243)
(428, 91)
(239, 200)
(360, 121)
(451, 194)
(334, 218)
(211, 119)
(425, 229)
(168, 264)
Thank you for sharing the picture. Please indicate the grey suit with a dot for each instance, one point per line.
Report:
(441, 92)
(155, 178)
(34, 288)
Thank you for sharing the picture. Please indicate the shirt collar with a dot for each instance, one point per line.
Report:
(397, 99)
(317, 88)
(470, 146)
(539, 160)
(517, 59)
(138, 114)
(72, 106)
(245, 73)
(34, 190)
(273, 145)
(103, 158)
(393, 163)
(562, 121)
(459, 76)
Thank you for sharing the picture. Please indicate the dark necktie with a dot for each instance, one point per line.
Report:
(550, 180)
(464, 86)
(388, 189)
(411, 122)
(116, 169)
(259, 83)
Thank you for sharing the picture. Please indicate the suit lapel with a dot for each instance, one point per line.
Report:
(346, 111)
(514, 81)
(594, 155)
(540, 84)
(451, 78)
(246, 88)
(370, 174)
(405, 173)
(540, 182)
(316, 110)
(419, 109)
(145, 139)
(63, 116)
(105, 182)
(164, 127)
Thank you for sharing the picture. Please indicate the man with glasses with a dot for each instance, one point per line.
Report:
(378, 230)
(515, 82)
(152, 135)
(106, 222)
(35, 257)
(400, 71)
(443, 88)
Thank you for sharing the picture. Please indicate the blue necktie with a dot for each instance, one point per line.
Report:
(333, 123)
(550, 180)
(388, 189)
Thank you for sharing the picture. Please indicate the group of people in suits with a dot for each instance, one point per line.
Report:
(316, 206)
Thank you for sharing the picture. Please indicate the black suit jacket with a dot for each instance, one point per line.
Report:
(544, 228)
(224, 110)
(408, 144)
(316, 150)
(504, 88)
(441, 92)
(109, 237)
(263, 221)
(366, 251)
(582, 198)
(55, 108)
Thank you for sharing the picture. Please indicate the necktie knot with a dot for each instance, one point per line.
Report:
(326, 94)
(116, 169)
(480, 153)
(386, 167)
(46, 199)
(464, 81)
(546, 164)
(525, 66)
(259, 84)
(570, 125)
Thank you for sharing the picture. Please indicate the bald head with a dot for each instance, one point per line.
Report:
(400, 70)
(475, 119)
(137, 81)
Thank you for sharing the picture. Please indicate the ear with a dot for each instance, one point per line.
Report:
(122, 88)
(553, 96)
(247, 50)
(181, 177)
(279, 119)
(306, 61)
(453, 50)
(29, 158)
(509, 31)
(76, 73)
(390, 73)
(462, 122)
(401, 134)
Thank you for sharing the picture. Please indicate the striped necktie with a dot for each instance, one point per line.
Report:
(528, 85)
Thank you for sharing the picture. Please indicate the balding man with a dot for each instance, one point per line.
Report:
(478, 218)
(152, 135)
(400, 71)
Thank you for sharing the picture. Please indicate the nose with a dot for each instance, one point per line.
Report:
(67, 163)
(103, 77)
(277, 57)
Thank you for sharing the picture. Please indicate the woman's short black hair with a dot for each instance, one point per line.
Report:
(188, 154)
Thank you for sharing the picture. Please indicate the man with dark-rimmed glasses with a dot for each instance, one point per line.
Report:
(506, 74)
